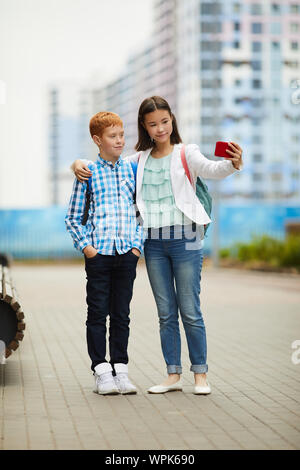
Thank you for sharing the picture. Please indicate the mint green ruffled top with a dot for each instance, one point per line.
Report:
(157, 193)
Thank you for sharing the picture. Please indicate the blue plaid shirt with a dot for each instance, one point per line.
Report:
(112, 225)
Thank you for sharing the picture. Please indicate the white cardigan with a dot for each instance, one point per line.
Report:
(184, 194)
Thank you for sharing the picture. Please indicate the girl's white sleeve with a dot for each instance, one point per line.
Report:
(201, 166)
(132, 158)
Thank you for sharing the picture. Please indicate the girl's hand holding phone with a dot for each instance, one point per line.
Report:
(236, 152)
(230, 150)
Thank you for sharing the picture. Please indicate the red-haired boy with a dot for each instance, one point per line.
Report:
(111, 241)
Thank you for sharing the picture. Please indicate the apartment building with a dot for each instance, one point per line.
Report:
(240, 63)
(230, 71)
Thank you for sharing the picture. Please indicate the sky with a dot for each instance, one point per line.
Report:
(42, 41)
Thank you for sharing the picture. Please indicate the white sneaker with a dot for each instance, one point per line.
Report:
(104, 381)
(122, 381)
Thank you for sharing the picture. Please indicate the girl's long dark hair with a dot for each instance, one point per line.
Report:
(148, 106)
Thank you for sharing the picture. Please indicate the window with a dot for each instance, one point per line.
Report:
(295, 8)
(236, 44)
(236, 7)
(294, 64)
(296, 157)
(210, 8)
(256, 28)
(256, 46)
(294, 27)
(257, 102)
(294, 45)
(256, 121)
(275, 28)
(256, 9)
(275, 8)
(257, 194)
(275, 45)
(257, 157)
(211, 46)
(213, 27)
(276, 177)
(207, 120)
(211, 102)
(257, 177)
(211, 83)
(207, 64)
(237, 82)
(256, 65)
(236, 26)
(207, 139)
(256, 83)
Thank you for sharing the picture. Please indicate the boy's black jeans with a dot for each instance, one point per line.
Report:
(109, 291)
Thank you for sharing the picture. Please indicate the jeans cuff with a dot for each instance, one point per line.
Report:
(174, 369)
(199, 369)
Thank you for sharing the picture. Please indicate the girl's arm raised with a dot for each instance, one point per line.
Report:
(201, 166)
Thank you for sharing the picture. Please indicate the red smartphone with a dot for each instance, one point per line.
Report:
(220, 150)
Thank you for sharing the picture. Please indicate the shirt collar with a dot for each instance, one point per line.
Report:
(107, 163)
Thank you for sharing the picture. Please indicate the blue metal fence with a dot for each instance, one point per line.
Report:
(41, 233)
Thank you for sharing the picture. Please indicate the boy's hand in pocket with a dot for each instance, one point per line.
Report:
(136, 252)
(90, 251)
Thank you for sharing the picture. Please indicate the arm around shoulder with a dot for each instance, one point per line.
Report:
(80, 168)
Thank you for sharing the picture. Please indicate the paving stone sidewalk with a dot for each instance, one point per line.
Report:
(252, 319)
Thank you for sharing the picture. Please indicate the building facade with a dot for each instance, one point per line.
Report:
(69, 113)
(240, 62)
(230, 71)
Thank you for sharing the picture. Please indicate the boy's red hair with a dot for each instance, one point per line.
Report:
(102, 120)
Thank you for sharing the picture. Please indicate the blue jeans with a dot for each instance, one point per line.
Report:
(174, 272)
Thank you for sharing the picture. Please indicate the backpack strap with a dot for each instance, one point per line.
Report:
(184, 163)
(87, 202)
(186, 168)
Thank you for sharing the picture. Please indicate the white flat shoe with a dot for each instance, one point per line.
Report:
(166, 388)
(202, 390)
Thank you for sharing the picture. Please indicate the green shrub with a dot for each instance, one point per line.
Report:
(277, 253)
(224, 253)
(290, 255)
